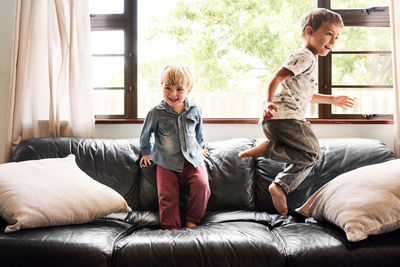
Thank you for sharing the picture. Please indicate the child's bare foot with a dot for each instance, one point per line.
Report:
(278, 198)
(190, 224)
(257, 151)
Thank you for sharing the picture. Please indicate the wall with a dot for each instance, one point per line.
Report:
(7, 15)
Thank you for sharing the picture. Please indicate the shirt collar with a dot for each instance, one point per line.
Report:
(164, 105)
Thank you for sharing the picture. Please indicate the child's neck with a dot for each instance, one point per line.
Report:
(180, 108)
(309, 47)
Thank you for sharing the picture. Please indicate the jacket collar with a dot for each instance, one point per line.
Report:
(164, 105)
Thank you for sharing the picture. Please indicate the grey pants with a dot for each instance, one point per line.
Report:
(292, 142)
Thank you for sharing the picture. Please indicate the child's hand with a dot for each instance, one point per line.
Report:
(145, 160)
(267, 115)
(343, 101)
(205, 153)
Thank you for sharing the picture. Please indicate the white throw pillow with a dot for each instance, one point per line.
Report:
(48, 192)
(364, 201)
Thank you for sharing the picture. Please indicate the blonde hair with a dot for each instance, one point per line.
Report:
(177, 73)
(317, 16)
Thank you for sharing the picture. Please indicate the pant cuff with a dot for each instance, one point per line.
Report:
(285, 187)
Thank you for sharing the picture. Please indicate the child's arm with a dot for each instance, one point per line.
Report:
(145, 146)
(340, 101)
(277, 78)
(199, 135)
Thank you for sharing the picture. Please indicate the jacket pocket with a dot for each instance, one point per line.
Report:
(167, 127)
(191, 123)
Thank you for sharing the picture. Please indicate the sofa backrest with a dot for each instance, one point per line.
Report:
(236, 183)
(231, 179)
(115, 163)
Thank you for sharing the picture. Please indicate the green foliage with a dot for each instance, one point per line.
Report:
(225, 40)
(228, 41)
(363, 69)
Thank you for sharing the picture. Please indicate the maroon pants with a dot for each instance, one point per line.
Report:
(168, 185)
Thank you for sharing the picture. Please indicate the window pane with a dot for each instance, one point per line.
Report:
(109, 102)
(364, 39)
(364, 69)
(232, 47)
(108, 71)
(368, 100)
(106, 6)
(342, 4)
(101, 42)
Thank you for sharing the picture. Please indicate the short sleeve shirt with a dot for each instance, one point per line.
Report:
(294, 94)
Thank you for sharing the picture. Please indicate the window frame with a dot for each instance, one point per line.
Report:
(127, 22)
(351, 17)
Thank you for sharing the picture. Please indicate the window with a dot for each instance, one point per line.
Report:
(360, 65)
(233, 47)
(114, 63)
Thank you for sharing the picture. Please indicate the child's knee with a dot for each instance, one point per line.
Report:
(203, 186)
(314, 157)
(199, 183)
(318, 155)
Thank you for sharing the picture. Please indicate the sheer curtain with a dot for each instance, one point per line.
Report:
(395, 29)
(51, 93)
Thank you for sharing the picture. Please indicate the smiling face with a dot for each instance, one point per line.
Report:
(176, 82)
(322, 40)
(174, 95)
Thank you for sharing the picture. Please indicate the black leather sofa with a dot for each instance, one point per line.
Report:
(240, 228)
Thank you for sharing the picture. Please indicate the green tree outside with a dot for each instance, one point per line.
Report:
(224, 40)
(228, 41)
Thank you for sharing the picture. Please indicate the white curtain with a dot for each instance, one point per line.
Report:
(51, 93)
(395, 29)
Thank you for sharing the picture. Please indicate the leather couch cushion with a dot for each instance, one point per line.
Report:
(210, 244)
(271, 220)
(230, 179)
(138, 219)
(323, 244)
(88, 245)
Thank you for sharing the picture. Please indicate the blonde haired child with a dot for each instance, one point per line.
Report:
(176, 123)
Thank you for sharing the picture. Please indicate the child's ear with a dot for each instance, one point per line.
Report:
(309, 30)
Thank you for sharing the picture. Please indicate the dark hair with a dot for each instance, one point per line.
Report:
(317, 16)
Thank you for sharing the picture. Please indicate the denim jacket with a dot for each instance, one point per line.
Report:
(176, 136)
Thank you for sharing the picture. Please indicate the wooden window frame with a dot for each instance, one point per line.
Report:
(128, 23)
(372, 17)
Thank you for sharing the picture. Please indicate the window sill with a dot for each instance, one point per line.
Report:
(255, 121)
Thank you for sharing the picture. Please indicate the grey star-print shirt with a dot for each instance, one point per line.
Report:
(294, 94)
